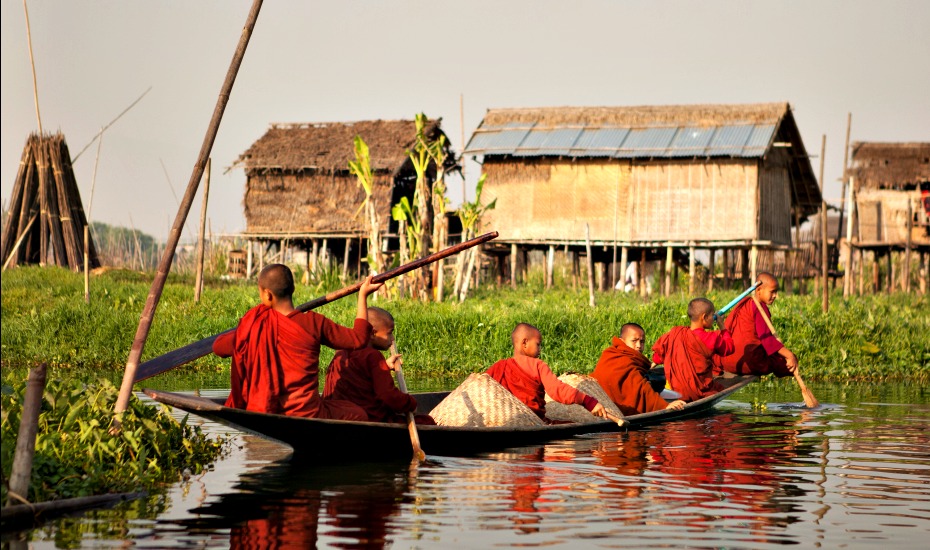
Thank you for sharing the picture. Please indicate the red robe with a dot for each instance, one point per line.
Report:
(756, 346)
(621, 371)
(687, 361)
(530, 379)
(363, 377)
(275, 362)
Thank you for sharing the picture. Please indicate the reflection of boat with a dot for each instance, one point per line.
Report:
(319, 439)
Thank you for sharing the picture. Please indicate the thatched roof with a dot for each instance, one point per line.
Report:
(879, 165)
(646, 115)
(328, 147)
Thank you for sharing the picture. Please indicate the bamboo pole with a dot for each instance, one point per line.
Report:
(587, 247)
(641, 274)
(624, 259)
(32, 63)
(848, 271)
(161, 275)
(839, 226)
(753, 262)
(824, 258)
(104, 128)
(668, 271)
(201, 245)
(86, 265)
(550, 266)
(710, 270)
(691, 270)
(513, 265)
(907, 246)
(19, 241)
(26, 439)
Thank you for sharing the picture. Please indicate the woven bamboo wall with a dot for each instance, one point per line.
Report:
(775, 204)
(553, 199)
(882, 216)
(694, 201)
(311, 203)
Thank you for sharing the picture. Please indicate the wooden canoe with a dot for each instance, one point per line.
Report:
(316, 439)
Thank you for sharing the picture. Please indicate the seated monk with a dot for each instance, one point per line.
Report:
(686, 352)
(363, 376)
(530, 379)
(621, 371)
(275, 351)
(757, 349)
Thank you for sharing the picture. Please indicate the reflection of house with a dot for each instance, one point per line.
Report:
(731, 177)
(888, 177)
(299, 189)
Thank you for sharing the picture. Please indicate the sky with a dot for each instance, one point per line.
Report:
(336, 61)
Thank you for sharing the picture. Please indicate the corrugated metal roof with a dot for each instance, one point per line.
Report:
(524, 139)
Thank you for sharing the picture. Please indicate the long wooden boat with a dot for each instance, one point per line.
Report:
(318, 439)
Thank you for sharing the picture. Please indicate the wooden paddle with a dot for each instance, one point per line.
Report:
(198, 349)
(418, 453)
(620, 421)
(809, 400)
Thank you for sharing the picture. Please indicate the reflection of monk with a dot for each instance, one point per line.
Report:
(290, 526)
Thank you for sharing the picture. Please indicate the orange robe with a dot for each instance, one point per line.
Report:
(621, 371)
(756, 346)
(530, 379)
(275, 362)
(687, 360)
(363, 377)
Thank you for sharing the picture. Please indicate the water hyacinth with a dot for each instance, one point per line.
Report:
(75, 455)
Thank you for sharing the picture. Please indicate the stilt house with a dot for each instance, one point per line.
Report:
(299, 190)
(890, 180)
(706, 176)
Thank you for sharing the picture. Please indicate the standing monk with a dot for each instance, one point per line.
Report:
(621, 371)
(686, 352)
(363, 376)
(275, 351)
(530, 379)
(757, 349)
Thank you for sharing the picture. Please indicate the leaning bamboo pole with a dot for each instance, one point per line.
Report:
(161, 275)
(32, 63)
(201, 245)
(824, 258)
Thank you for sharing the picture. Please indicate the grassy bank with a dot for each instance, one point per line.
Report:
(44, 318)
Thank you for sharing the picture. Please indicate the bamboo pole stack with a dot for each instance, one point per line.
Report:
(45, 187)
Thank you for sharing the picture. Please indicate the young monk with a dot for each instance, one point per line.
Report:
(757, 349)
(275, 351)
(686, 352)
(363, 376)
(530, 379)
(622, 369)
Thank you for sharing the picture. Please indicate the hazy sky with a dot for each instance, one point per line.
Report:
(326, 61)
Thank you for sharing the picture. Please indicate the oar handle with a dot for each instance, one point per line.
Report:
(198, 349)
(738, 299)
(418, 453)
(620, 421)
(808, 395)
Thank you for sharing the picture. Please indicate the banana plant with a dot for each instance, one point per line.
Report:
(361, 168)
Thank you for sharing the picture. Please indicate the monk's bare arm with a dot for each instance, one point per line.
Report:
(368, 287)
(791, 360)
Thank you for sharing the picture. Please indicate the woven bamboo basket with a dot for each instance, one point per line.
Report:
(577, 413)
(480, 402)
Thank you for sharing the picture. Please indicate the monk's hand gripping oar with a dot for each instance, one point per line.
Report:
(418, 453)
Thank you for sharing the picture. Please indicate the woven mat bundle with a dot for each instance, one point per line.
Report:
(577, 413)
(481, 402)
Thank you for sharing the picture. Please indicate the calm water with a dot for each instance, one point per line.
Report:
(853, 474)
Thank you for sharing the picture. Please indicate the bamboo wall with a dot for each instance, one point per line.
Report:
(775, 204)
(312, 203)
(882, 216)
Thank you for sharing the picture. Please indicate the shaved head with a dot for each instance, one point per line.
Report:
(521, 331)
(698, 307)
(278, 279)
(627, 329)
(767, 279)
(380, 318)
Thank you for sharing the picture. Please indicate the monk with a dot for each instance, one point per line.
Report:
(621, 371)
(757, 349)
(275, 351)
(363, 376)
(530, 379)
(687, 352)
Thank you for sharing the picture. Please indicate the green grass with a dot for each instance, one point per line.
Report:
(44, 318)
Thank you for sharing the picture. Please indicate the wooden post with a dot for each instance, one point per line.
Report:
(345, 258)
(641, 274)
(744, 261)
(754, 262)
(201, 245)
(315, 255)
(587, 247)
(860, 258)
(624, 259)
(907, 246)
(876, 274)
(667, 268)
(576, 269)
(789, 272)
(848, 271)
(891, 273)
(248, 260)
(26, 439)
(86, 265)
(514, 251)
(261, 255)
(691, 268)
(725, 283)
(550, 266)
(710, 270)
(824, 258)
(924, 269)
